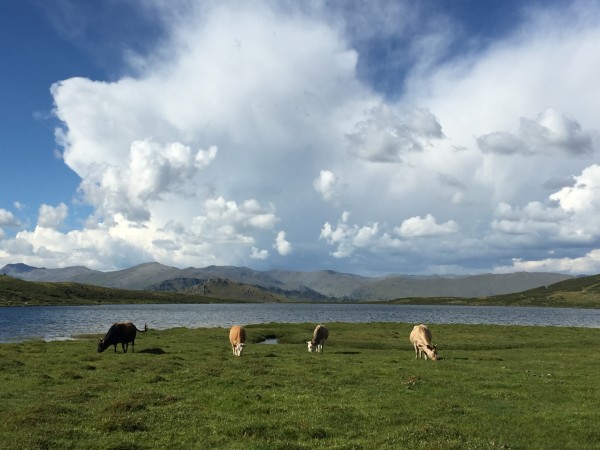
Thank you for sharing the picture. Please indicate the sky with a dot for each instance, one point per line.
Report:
(367, 137)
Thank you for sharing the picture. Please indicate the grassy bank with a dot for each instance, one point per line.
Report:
(496, 387)
(16, 292)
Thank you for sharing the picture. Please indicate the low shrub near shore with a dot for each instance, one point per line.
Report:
(506, 387)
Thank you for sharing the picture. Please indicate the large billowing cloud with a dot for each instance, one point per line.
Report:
(197, 160)
(255, 134)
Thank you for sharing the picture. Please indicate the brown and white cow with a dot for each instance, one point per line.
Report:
(120, 333)
(319, 336)
(420, 338)
(237, 338)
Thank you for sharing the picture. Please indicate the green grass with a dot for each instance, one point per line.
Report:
(504, 387)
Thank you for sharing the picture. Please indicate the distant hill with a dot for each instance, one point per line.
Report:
(467, 286)
(327, 282)
(311, 286)
(223, 288)
(575, 292)
(17, 292)
(19, 268)
(582, 292)
(30, 273)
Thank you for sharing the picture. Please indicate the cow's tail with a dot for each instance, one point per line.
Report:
(144, 330)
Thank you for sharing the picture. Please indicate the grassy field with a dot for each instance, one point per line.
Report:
(496, 387)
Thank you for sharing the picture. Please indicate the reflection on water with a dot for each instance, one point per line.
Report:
(63, 322)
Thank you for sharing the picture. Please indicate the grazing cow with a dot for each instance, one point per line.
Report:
(237, 338)
(120, 333)
(420, 338)
(319, 336)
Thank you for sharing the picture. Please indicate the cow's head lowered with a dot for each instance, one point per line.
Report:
(238, 349)
(430, 351)
(101, 346)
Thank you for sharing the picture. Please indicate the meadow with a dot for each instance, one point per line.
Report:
(505, 387)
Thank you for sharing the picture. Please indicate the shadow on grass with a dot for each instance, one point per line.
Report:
(153, 351)
(464, 358)
(347, 353)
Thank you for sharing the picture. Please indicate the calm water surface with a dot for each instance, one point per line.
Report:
(64, 322)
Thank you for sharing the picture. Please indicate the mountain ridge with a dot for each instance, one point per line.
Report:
(320, 284)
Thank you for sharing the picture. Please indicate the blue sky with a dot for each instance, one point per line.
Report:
(366, 137)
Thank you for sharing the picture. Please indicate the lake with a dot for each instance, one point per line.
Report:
(64, 322)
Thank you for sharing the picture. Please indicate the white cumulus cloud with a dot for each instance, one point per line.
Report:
(52, 217)
(552, 132)
(7, 219)
(259, 254)
(283, 246)
(584, 195)
(327, 184)
(149, 173)
(349, 237)
(385, 136)
(425, 226)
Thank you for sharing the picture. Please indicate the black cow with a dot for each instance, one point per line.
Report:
(120, 333)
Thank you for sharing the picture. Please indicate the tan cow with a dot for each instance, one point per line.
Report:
(319, 336)
(237, 338)
(420, 338)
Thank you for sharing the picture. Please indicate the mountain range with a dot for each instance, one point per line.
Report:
(293, 285)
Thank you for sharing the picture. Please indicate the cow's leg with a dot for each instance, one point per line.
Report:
(124, 345)
(115, 348)
(416, 351)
